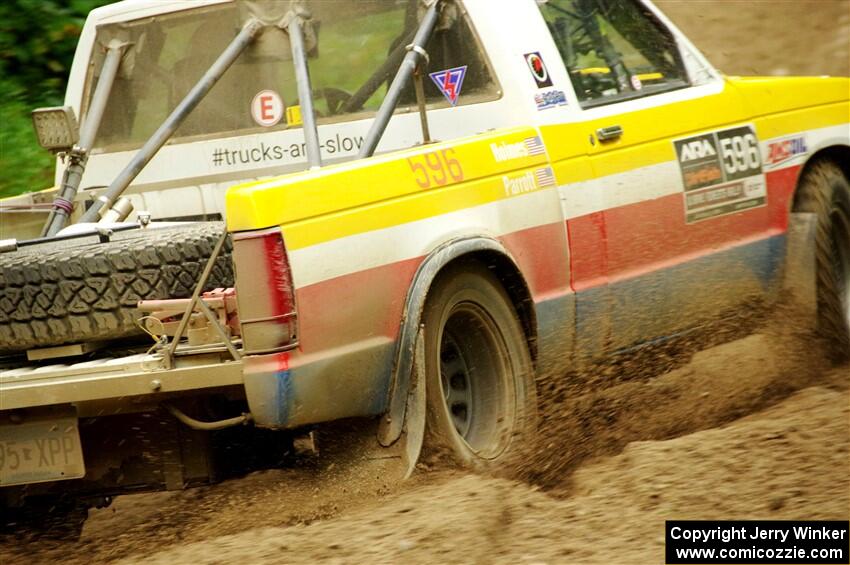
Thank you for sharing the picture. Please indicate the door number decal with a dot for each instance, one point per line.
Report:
(722, 173)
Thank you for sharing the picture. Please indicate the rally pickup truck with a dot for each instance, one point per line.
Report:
(274, 215)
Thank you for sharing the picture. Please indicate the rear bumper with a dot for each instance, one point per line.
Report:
(283, 390)
(293, 389)
(122, 379)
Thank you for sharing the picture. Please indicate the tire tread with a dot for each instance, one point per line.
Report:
(53, 296)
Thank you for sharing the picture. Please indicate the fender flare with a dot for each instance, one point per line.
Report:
(392, 422)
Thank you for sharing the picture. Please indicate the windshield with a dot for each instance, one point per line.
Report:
(358, 48)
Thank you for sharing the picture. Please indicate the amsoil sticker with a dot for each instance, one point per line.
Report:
(267, 108)
(722, 173)
(784, 150)
(538, 69)
(450, 81)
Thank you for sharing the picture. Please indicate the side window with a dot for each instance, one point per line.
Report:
(613, 49)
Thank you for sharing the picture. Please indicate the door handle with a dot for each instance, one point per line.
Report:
(609, 134)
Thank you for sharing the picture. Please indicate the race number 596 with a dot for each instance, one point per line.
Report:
(436, 168)
(739, 149)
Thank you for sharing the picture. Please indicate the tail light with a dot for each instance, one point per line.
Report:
(264, 291)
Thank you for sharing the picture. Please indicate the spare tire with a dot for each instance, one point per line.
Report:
(85, 289)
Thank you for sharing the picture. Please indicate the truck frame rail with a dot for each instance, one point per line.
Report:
(116, 378)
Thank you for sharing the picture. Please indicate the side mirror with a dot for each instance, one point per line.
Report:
(56, 128)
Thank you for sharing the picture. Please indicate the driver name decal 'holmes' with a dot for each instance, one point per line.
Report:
(450, 82)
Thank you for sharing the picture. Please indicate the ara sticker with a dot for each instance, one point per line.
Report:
(538, 69)
(267, 108)
(450, 81)
(721, 172)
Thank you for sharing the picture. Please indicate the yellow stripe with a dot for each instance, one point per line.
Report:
(650, 76)
(360, 196)
(594, 70)
(405, 209)
(606, 70)
(648, 133)
(788, 123)
(356, 184)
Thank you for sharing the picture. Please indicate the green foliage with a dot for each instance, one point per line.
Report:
(24, 166)
(37, 42)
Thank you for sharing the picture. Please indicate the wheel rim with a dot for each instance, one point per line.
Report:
(841, 254)
(476, 377)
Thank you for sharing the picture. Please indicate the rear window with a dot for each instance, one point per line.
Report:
(358, 49)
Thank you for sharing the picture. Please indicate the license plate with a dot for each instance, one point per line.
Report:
(39, 451)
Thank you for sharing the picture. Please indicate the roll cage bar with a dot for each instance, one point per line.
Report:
(295, 22)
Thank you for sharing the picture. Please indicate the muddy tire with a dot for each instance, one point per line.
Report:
(825, 191)
(481, 396)
(83, 290)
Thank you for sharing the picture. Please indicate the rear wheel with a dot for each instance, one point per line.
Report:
(478, 371)
(825, 191)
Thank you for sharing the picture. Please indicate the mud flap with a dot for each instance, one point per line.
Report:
(398, 459)
(414, 415)
(800, 280)
(409, 445)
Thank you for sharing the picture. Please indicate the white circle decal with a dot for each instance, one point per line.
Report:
(267, 108)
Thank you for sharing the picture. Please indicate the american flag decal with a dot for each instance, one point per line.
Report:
(534, 145)
(545, 177)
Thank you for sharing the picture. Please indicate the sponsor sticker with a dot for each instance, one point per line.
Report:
(538, 69)
(293, 116)
(784, 150)
(545, 177)
(550, 99)
(450, 82)
(267, 108)
(529, 147)
(721, 172)
(530, 181)
(534, 145)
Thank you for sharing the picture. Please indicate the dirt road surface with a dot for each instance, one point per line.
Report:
(768, 37)
(758, 428)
